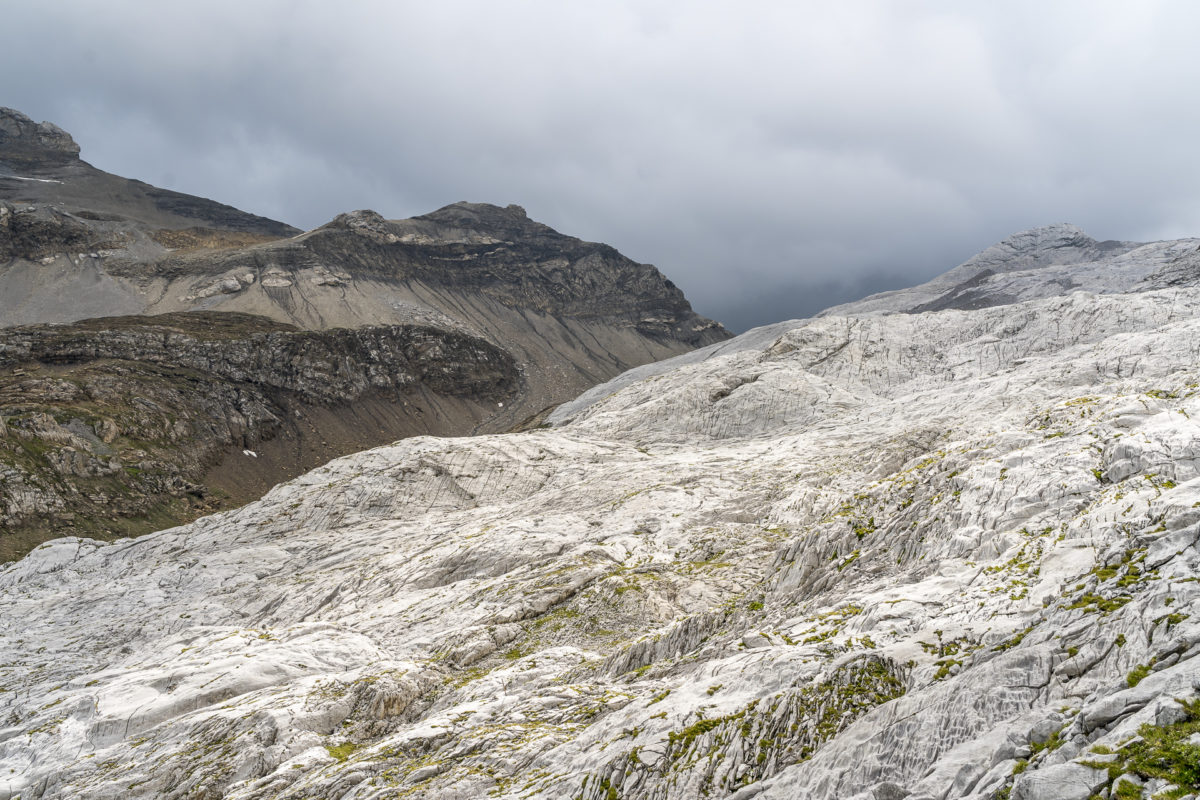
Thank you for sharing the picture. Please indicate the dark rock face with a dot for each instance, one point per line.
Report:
(502, 254)
(36, 232)
(496, 252)
(118, 425)
(24, 142)
(213, 214)
(320, 366)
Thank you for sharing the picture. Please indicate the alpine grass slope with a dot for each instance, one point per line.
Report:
(926, 555)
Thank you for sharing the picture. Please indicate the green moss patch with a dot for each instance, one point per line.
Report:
(1162, 752)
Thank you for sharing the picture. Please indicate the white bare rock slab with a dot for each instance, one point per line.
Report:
(879, 556)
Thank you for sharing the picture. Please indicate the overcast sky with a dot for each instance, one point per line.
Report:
(771, 158)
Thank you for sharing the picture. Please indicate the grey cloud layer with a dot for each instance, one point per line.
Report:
(771, 158)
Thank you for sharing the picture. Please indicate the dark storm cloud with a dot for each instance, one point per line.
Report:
(771, 158)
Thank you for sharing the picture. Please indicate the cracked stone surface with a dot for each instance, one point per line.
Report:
(932, 555)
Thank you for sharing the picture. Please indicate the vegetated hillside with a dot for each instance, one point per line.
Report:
(929, 555)
(123, 425)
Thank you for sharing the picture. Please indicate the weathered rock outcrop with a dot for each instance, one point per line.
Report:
(38, 232)
(1043, 262)
(936, 555)
(127, 424)
(30, 145)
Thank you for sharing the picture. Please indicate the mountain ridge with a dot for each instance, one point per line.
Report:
(1038, 262)
(85, 255)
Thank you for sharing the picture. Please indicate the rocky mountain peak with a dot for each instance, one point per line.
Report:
(1057, 231)
(350, 219)
(40, 167)
(1061, 243)
(485, 218)
(1040, 262)
(24, 142)
(457, 223)
(363, 221)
